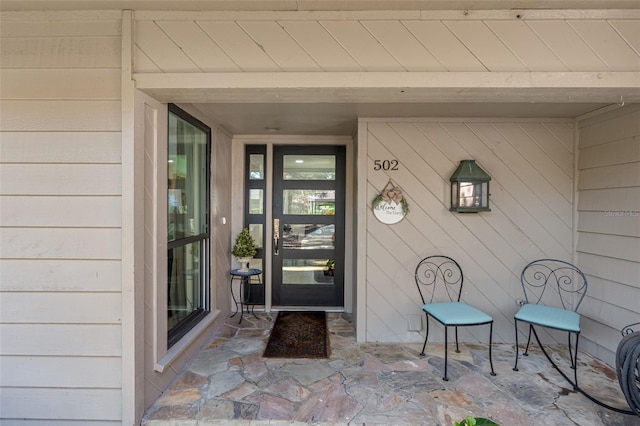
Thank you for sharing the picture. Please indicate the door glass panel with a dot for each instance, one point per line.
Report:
(256, 231)
(308, 236)
(309, 167)
(307, 271)
(256, 201)
(256, 166)
(308, 202)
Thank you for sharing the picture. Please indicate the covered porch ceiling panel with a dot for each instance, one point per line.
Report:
(330, 103)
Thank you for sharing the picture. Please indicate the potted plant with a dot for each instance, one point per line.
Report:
(244, 249)
(329, 267)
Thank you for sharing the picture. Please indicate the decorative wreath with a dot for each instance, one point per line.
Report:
(391, 193)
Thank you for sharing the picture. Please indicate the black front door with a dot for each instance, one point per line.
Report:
(308, 226)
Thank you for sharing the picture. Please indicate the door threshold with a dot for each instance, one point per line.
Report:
(307, 308)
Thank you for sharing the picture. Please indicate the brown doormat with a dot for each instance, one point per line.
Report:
(299, 335)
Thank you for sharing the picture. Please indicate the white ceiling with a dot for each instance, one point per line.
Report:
(341, 118)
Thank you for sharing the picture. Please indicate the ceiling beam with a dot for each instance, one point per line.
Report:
(425, 87)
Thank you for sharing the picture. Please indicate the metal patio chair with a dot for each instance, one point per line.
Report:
(553, 291)
(442, 276)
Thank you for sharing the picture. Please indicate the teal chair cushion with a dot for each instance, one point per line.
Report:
(456, 313)
(549, 316)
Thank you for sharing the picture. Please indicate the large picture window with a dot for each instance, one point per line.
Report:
(188, 223)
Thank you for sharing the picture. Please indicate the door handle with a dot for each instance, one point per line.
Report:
(276, 236)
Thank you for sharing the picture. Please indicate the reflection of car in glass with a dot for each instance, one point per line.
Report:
(321, 238)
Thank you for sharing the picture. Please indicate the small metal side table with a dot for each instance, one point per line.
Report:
(244, 292)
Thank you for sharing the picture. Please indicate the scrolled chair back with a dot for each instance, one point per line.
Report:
(554, 282)
(439, 277)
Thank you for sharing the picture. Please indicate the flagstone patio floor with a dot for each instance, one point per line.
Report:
(229, 382)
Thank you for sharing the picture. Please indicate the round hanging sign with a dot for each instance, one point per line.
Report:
(389, 206)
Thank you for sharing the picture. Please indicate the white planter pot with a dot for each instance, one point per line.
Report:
(244, 263)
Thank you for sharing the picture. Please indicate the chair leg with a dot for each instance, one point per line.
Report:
(457, 347)
(445, 378)
(575, 363)
(515, 367)
(426, 336)
(526, 350)
(493, 373)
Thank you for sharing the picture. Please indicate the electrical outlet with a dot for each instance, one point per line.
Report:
(415, 322)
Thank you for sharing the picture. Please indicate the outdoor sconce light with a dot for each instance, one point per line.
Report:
(469, 188)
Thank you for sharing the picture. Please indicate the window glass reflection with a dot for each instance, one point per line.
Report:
(309, 202)
(308, 236)
(256, 203)
(307, 271)
(309, 167)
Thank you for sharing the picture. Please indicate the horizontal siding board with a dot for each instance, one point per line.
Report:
(237, 44)
(619, 152)
(567, 45)
(61, 339)
(61, 147)
(60, 179)
(63, 243)
(61, 372)
(57, 28)
(362, 46)
(403, 46)
(61, 52)
(169, 57)
(610, 201)
(621, 247)
(280, 47)
(610, 269)
(444, 46)
(618, 176)
(622, 127)
(60, 308)
(526, 45)
(49, 422)
(622, 223)
(485, 46)
(45, 211)
(65, 116)
(321, 46)
(61, 404)
(196, 44)
(607, 44)
(70, 84)
(613, 293)
(60, 275)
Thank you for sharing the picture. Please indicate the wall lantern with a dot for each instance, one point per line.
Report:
(469, 188)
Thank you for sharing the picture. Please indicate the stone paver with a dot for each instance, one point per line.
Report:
(229, 383)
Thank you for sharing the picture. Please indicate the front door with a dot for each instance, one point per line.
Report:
(308, 226)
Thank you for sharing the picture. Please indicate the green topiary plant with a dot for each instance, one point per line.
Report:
(475, 421)
(245, 246)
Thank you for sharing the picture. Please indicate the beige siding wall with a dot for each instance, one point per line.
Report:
(609, 226)
(531, 162)
(60, 197)
(382, 41)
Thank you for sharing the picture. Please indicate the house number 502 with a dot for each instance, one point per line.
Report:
(385, 164)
